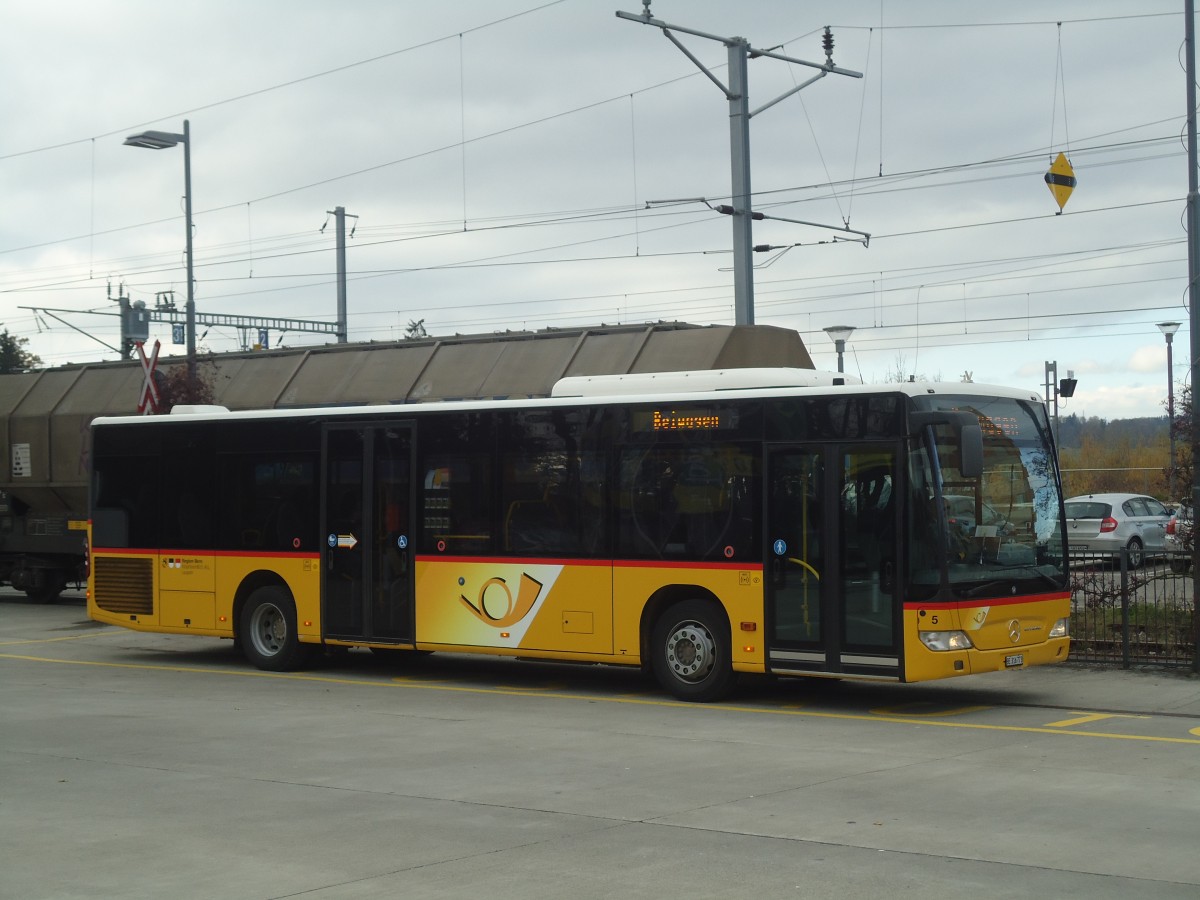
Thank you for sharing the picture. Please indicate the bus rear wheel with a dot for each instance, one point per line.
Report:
(691, 652)
(268, 631)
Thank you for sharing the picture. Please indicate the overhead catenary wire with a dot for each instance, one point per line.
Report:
(1060, 88)
(764, 195)
(267, 243)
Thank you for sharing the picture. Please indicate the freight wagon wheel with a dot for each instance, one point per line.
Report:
(268, 631)
(48, 591)
(691, 651)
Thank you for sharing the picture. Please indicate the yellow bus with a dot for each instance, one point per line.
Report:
(695, 524)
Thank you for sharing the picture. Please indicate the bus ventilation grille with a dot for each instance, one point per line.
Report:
(124, 585)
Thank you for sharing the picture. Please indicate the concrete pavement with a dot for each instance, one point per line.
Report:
(152, 766)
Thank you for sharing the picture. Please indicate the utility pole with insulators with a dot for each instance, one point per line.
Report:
(740, 115)
(339, 215)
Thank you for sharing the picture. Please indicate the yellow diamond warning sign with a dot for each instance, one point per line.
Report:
(1061, 181)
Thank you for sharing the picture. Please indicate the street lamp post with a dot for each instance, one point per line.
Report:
(1168, 329)
(839, 334)
(161, 140)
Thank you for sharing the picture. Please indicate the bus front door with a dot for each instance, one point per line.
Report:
(831, 543)
(367, 576)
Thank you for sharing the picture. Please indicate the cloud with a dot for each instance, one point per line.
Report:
(572, 120)
(1149, 358)
(1108, 402)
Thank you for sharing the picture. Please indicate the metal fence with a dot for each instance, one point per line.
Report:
(1126, 616)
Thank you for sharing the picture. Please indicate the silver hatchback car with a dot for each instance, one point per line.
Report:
(1104, 523)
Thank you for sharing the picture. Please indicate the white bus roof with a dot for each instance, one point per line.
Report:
(661, 387)
(648, 383)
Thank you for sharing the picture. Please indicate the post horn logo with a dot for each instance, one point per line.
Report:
(496, 606)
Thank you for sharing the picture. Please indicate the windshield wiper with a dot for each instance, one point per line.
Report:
(981, 589)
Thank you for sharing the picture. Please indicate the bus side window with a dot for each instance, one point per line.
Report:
(195, 523)
(110, 527)
(688, 502)
(551, 487)
(457, 501)
(126, 503)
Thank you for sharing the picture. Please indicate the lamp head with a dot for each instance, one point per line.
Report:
(1168, 328)
(154, 140)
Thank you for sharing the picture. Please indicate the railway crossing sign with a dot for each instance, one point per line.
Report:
(148, 400)
(1061, 181)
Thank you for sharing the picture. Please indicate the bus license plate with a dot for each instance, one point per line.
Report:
(1017, 659)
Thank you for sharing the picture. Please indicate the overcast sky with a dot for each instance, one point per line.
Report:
(499, 157)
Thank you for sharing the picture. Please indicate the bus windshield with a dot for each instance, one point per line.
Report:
(996, 534)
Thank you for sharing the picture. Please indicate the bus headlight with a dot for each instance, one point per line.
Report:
(1062, 628)
(946, 640)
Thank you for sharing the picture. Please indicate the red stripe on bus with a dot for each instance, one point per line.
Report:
(236, 554)
(615, 563)
(512, 560)
(985, 601)
(669, 564)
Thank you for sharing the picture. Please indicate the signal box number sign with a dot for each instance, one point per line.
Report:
(21, 461)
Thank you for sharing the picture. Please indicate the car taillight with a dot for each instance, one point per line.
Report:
(1108, 524)
(1171, 526)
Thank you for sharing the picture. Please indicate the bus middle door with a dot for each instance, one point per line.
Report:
(367, 576)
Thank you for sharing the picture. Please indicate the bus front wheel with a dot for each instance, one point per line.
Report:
(691, 651)
(268, 631)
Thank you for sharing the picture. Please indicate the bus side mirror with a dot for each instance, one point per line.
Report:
(970, 441)
(966, 430)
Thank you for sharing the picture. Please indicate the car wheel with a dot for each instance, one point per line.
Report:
(1136, 556)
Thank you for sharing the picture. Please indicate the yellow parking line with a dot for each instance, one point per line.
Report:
(73, 637)
(1085, 718)
(699, 708)
(922, 709)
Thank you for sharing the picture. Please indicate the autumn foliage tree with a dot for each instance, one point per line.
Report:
(175, 388)
(1102, 465)
(1181, 428)
(14, 358)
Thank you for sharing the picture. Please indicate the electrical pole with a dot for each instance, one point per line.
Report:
(738, 94)
(339, 215)
(1051, 386)
(1193, 233)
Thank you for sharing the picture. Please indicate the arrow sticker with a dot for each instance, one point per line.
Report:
(347, 541)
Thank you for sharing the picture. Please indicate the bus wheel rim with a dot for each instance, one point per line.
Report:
(691, 652)
(268, 630)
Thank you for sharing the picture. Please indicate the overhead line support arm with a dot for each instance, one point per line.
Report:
(740, 211)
